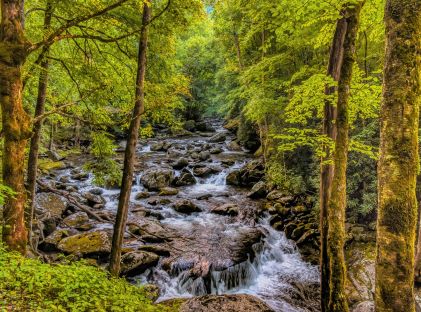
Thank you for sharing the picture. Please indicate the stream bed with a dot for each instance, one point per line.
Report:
(211, 237)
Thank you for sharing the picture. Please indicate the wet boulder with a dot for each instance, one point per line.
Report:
(186, 206)
(142, 195)
(181, 163)
(78, 220)
(150, 231)
(226, 303)
(97, 242)
(226, 210)
(204, 126)
(157, 146)
(259, 190)
(216, 150)
(93, 199)
(136, 262)
(202, 171)
(185, 178)
(233, 178)
(50, 208)
(174, 153)
(155, 179)
(51, 241)
(168, 191)
(218, 138)
(234, 146)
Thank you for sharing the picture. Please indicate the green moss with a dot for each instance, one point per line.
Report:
(30, 285)
(47, 165)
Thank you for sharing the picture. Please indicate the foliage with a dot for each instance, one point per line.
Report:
(30, 285)
(105, 169)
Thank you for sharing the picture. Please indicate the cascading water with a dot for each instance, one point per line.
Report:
(275, 272)
(206, 251)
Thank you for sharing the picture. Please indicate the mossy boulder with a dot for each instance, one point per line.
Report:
(136, 262)
(97, 242)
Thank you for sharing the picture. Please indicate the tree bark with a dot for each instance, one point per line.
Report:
(37, 126)
(337, 201)
(130, 153)
(326, 169)
(16, 123)
(399, 160)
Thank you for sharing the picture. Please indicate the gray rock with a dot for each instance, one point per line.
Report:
(155, 179)
(227, 210)
(185, 178)
(181, 163)
(76, 220)
(259, 190)
(86, 243)
(142, 195)
(218, 138)
(168, 191)
(186, 206)
(136, 262)
(225, 303)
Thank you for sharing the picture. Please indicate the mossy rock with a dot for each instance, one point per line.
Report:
(87, 243)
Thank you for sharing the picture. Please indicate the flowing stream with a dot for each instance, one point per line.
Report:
(212, 253)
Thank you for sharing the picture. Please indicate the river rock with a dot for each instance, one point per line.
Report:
(150, 231)
(142, 195)
(204, 155)
(157, 146)
(202, 171)
(225, 303)
(51, 241)
(93, 199)
(204, 126)
(82, 176)
(155, 179)
(185, 178)
(156, 249)
(234, 146)
(186, 206)
(216, 150)
(97, 242)
(76, 220)
(181, 163)
(50, 208)
(168, 191)
(226, 210)
(136, 262)
(233, 178)
(218, 138)
(174, 153)
(190, 125)
(259, 190)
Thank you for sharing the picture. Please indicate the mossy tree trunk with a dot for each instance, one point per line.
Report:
(37, 126)
(399, 160)
(130, 153)
(326, 169)
(16, 123)
(334, 163)
(337, 201)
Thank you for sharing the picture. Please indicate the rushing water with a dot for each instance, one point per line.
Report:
(275, 272)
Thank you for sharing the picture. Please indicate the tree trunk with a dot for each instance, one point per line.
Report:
(130, 153)
(37, 127)
(337, 200)
(326, 169)
(399, 160)
(16, 122)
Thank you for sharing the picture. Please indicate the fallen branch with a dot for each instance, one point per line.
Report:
(72, 200)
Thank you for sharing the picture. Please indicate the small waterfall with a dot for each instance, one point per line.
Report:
(217, 179)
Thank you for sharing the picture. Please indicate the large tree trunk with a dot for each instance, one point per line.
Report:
(37, 127)
(337, 200)
(326, 169)
(16, 122)
(399, 161)
(130, 153)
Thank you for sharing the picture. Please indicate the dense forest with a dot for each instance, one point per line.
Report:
(210, 155)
